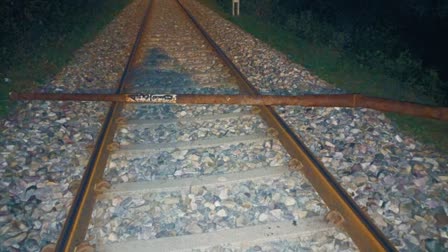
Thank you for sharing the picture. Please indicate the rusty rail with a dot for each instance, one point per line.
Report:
(357, 223)
(337, 100)
(75, 227)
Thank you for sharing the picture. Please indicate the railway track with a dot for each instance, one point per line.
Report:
(203, 177)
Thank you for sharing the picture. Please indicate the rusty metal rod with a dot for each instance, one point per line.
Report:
(336, 100)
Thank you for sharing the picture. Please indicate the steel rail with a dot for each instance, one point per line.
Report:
(356, 222)
(80, 213)
(319, 100)
(78, 218)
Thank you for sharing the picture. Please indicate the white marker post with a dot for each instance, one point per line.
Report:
(236, 7)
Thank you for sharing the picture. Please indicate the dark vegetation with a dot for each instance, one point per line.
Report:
(390, 35)
(393, 49)
(38, 37)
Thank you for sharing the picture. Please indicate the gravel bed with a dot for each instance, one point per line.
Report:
(44, 144)
(202, 209)
(191, 131)
(167, 111)
(166, 78)
(203, 67)
(186, 163)
(322, 242)
(401, 182)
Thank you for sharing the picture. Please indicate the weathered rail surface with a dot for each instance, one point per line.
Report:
(154, 165)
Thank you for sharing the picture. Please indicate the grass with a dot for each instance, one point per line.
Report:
(33, 65)
(342, 70)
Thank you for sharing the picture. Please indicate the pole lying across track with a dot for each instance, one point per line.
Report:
(337, 100)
